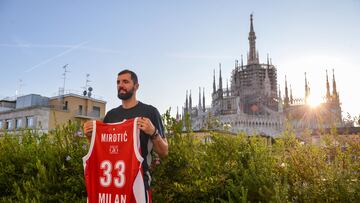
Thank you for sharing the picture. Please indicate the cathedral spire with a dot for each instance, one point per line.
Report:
(327, 87)
(190, 102)
(291, 96)
(199, 105)
(227, 88)
(286, 99)
(335, 92)
(251, 23)
(214, 85)
(252, 55)
(334, 85)
(177, 114)
(220, 78)
(242, 62)
(267, 83)
(280, 97)
(186, 102)
(306, 89)
(203, 99)
(280, 101)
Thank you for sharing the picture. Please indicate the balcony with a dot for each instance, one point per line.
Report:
(91, 115)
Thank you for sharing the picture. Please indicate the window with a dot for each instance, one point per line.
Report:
(1, 125)
(30, 121)
(229, 105)
(96, 111)
(80, 110)
(9, 124)
(18, 123)
(65, 107)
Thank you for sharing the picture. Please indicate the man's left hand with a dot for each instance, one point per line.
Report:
(146, 125)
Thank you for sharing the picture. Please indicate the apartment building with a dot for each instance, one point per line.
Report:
(43, 113)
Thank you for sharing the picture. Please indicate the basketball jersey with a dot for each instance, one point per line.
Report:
(112, 167)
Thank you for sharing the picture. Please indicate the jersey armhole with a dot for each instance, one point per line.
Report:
(136, 138)
(92, 143)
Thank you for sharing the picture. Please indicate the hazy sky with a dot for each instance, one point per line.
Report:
(174, 46)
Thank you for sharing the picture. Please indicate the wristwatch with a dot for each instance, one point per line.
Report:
(155, 135)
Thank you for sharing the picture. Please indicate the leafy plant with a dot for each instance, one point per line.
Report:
(201, 167)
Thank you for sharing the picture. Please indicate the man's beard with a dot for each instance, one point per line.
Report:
(127, 95)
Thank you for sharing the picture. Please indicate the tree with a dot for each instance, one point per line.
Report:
(188, 126)
(171, 125)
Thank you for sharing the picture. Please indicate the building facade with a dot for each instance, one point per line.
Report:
(253, 102)
(42, 113)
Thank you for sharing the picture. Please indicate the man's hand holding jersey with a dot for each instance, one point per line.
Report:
(88, 128)
(146, 125)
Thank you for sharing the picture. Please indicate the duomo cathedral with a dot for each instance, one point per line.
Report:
(253, 102)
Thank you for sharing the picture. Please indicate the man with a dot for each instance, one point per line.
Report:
(151, 128)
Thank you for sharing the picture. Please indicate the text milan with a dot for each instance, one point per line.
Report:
(107, 198)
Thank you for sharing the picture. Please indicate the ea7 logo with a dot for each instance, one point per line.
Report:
(114, 149)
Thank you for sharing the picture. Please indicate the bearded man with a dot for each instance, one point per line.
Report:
(152, 136)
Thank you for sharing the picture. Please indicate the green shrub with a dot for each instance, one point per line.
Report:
(42, 167)
(238, 168)
(215, 167)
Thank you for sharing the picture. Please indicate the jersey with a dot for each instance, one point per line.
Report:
(112, 166)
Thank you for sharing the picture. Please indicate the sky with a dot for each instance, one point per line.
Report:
(175, 46)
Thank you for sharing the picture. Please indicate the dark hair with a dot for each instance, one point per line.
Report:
(134, 77)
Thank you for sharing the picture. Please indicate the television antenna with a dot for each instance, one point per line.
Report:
(18, 91)
(87, 89)
(64, 75)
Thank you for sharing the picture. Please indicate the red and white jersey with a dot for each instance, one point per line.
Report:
(112, 167)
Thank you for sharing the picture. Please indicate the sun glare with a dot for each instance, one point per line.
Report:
(313, 101)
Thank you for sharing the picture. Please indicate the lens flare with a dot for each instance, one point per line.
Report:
(313, 101)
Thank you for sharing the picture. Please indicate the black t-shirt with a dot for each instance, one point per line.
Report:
(140, 110)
